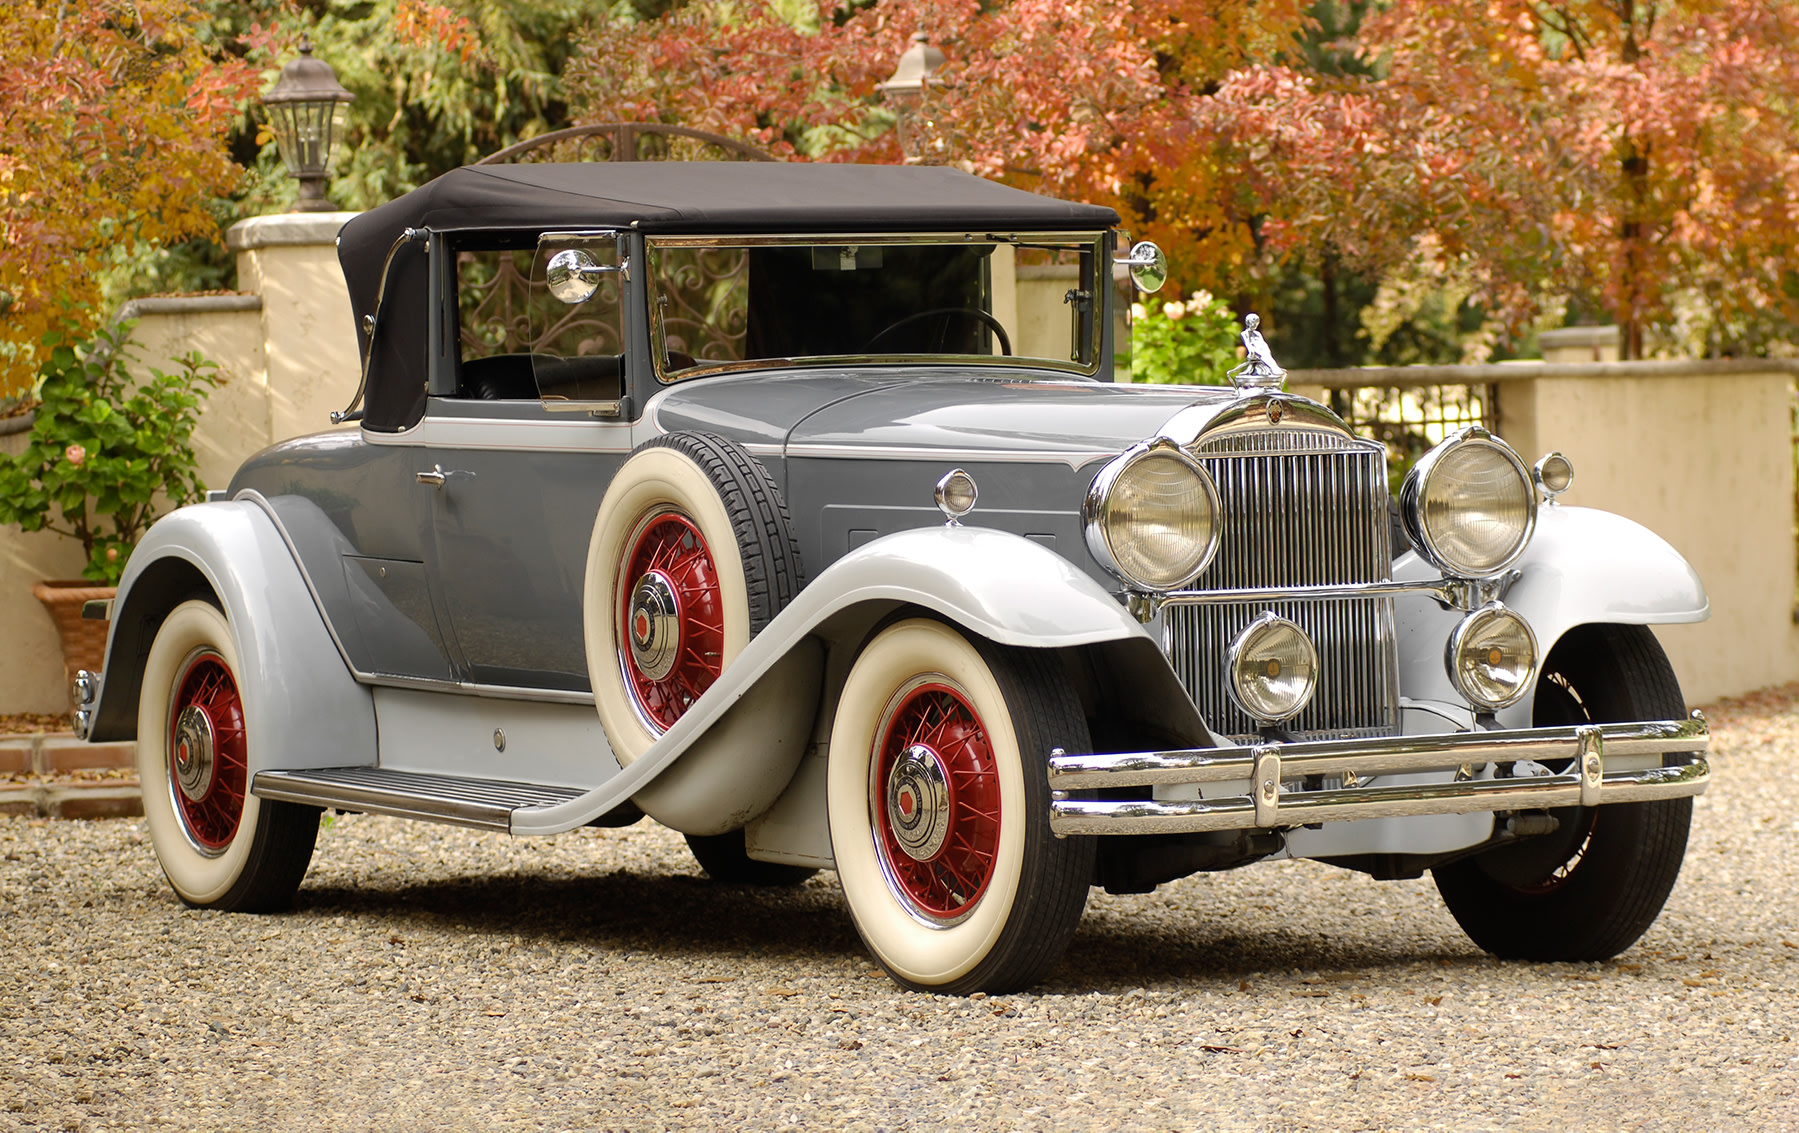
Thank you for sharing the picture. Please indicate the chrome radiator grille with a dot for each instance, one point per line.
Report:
(1301, 508)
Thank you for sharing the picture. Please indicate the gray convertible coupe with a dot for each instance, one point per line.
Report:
(762, 500)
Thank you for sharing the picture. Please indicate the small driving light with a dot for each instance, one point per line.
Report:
(1492, 657)
(955, 495)
(1273, 669)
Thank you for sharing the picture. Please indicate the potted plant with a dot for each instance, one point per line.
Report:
(107, 455)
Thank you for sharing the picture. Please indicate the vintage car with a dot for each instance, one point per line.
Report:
(757, 499)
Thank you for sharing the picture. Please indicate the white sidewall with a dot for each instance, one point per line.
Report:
(198, 878)
(653, 478)
(920, 953)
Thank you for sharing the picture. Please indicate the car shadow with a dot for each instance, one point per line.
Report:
(695, 917)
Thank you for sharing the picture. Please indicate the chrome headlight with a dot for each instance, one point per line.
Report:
(1492, 657)
(1273, 669)
(1469, 505)
(1152, 517)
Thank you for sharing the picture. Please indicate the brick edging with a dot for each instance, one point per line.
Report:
(51, 753)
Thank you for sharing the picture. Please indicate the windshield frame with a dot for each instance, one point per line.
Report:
(1093, 241)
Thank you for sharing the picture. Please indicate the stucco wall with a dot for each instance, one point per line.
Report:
(1697, 451)
(286, 347)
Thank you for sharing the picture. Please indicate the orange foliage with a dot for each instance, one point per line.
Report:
(112, 123)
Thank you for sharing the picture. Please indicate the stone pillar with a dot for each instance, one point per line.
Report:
(309, 337)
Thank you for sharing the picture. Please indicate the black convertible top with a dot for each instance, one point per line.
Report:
(654, 196)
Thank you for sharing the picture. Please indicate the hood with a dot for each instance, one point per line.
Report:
(930, 410)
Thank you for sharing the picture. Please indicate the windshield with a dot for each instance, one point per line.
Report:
(721, 303)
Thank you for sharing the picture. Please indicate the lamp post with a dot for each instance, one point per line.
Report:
(305, 109)
(906, 89)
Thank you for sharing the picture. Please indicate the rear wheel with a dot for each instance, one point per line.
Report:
(939, 806)
(1590, 889)
(220, 846)
(724, 858)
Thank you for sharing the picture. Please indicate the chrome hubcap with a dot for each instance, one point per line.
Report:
(918, 802)
(194, 760)
(654, 623)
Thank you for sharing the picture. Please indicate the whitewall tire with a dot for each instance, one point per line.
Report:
(939, 809)
(220, 846)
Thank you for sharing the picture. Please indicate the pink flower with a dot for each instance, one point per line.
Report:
(75, 454)
(112, 554)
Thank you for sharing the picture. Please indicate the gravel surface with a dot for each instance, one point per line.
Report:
(438, 978)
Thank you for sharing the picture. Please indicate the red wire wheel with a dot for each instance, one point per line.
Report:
(671, 618)
(936, 803)
(208, 767)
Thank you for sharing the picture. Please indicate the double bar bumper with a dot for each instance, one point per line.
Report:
(1277, 775)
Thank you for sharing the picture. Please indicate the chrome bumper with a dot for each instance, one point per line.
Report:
(1276, 773)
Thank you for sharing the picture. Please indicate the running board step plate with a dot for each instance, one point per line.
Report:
(484, 804)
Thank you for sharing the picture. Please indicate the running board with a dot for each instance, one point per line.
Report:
(484, 804)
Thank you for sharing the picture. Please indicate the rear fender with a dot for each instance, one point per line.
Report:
(1583, 566)
(303, 708)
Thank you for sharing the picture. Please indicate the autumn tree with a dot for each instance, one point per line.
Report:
(1097, 100)
(1638, 158)
(113, 115)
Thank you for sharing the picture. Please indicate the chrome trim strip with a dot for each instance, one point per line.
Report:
(479, 804)
(1446, 590)
(1074, 460)
(1269, 805)
(1374, 755)
(512, 434)
(1011, 236)
(470, 688)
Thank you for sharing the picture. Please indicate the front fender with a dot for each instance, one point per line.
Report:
(738, 745)
(302, 707)
(1582, 566)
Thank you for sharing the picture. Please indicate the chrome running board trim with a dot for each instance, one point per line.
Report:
(1270, 767)
(482, 804)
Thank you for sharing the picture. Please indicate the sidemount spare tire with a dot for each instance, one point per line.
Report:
(692, 555)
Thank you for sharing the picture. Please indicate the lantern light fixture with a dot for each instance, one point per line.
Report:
(305, 110)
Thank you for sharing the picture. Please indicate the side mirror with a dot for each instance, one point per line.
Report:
(1148, 264)
(573, 275)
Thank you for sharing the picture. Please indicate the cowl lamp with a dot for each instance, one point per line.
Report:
(305, 109)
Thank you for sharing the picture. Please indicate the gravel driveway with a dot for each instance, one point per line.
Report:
(438, 978)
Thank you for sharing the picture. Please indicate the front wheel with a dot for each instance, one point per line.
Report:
(1590, 889)
(939, 809)
(220, 846)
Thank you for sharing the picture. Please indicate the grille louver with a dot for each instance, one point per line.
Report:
(1301, 508)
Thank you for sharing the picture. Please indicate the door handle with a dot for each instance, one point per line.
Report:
(435, 477)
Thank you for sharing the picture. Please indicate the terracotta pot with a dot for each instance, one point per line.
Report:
(83, 641)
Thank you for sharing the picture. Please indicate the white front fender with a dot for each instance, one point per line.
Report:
(1582, 566)
(992, 583)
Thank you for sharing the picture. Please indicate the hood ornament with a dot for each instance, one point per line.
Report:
(1259, 370)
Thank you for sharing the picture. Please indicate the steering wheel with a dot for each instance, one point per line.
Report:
(993, 324)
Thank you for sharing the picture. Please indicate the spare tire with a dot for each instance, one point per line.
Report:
(692, 554)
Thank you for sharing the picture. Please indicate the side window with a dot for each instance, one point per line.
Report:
(509, 326)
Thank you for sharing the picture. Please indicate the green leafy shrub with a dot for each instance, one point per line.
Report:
(106, 450)
(1183, 342)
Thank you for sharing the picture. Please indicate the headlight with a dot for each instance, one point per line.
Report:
(1152, 517)
(1492, 657)
(1273, 669)
(1469, 505)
